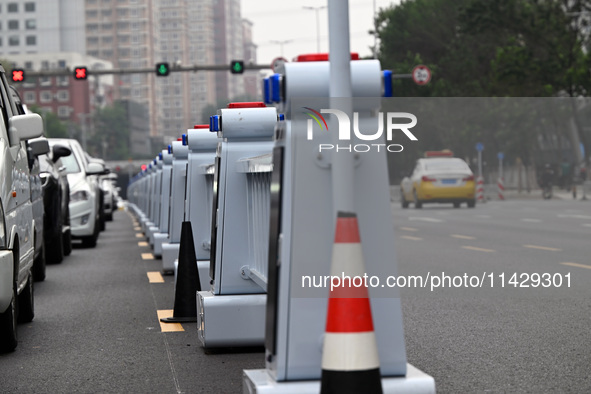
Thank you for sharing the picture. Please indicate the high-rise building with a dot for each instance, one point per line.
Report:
(123, 32)
(41, 26)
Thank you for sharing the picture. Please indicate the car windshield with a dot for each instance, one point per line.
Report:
(71, 164)
(446, 165)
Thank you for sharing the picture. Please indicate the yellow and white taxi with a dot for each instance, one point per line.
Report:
(439, 178)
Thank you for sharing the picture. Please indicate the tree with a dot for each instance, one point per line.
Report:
(52, 124)
(110, 139)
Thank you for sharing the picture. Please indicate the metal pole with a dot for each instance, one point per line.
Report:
(480, 164)
(340, 97)
(317, 10)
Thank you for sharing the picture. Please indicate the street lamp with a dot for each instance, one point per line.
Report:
(281, 43)
(317, 9)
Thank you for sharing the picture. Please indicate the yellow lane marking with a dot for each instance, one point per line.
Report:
(147, 256)
(411, 238)
(542, 248)
(142, 243)
(137, 228)
(462, 236)
(139, 235)
(477, 249)
(578, 265)
(168, 327)
(409, 229)
(155, 277)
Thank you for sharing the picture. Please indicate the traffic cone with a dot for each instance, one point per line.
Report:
(187, 282)
(350, 362)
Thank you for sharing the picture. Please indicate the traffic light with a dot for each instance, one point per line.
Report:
(80, 73)
(162, 69)
(18, 75)
(237, 66)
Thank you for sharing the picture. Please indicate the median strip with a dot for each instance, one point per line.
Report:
(542, 248)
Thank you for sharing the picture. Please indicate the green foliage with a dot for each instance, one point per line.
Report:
(483, 48)
(54, 127)
(111, 133)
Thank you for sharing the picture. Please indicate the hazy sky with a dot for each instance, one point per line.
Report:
(288, 20)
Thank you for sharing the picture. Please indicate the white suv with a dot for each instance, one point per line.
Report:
(84, 192)
(16, 217)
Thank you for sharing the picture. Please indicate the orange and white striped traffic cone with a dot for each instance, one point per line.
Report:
(350, 362)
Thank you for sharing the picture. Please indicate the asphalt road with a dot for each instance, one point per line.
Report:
(493, 338)
(96, 329)
(96, 326)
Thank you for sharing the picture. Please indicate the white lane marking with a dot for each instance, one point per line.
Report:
(409, 229)
(424, 219)
(542, 248)
(577, 265)
(459, 236)
(478, 249)
(411, 238)
(531, 220)
(584, 217)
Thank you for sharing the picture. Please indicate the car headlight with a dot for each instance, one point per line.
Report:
(80, 195)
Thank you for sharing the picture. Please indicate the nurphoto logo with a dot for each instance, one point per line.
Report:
(344, 130)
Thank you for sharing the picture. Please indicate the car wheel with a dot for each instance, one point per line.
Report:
(67, 243)
(39, 264)
(456, 204)
(55, 249)
(403, 200)
(418, 203)
(8, 337)
(471, 203)
(26, 302)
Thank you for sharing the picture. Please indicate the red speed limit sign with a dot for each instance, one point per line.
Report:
(421, 75)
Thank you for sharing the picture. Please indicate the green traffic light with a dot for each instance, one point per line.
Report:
(162, 69)
(237, 67)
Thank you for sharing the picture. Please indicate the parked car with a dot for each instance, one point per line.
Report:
(56, 200)
(35, 148)
(85, 194)
(17, 227)
(439, 178)
(110, 195)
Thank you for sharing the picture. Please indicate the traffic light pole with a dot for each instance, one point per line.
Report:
(150, 70)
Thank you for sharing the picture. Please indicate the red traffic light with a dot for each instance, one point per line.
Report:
(80, 73)
(18, 75)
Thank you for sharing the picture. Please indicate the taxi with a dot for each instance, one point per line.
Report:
(439, 178)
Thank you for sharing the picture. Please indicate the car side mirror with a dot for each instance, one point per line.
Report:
(59, 151)
(39, 147)
(95, 168)
(25, 127)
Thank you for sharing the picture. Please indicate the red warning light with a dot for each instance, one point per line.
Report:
(249, 104)
(320, 57)
(18, 75)
(143, 167)
(80, 73)
(201, 126)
